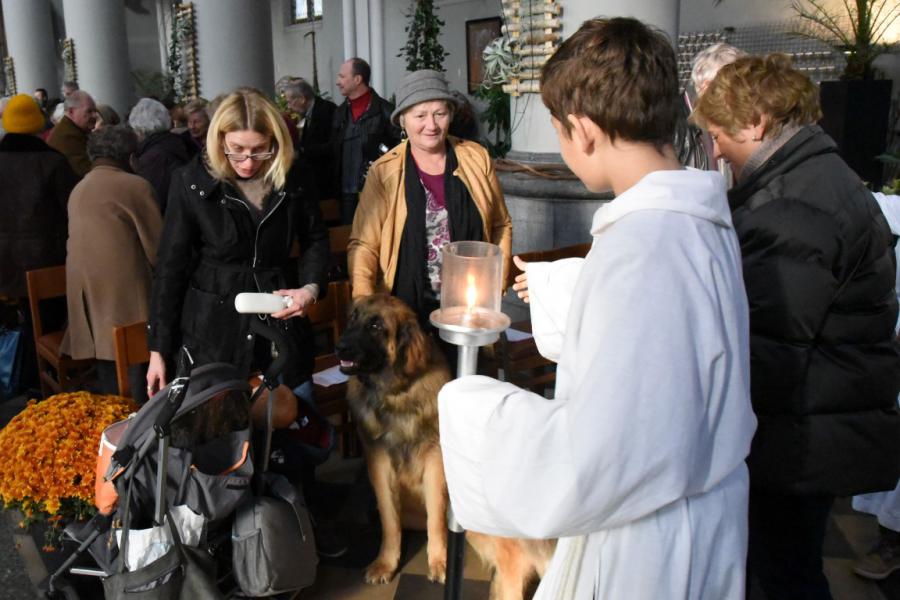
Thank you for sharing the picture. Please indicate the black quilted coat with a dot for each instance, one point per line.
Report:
(819, 269)
(35, 182)
(212, 249)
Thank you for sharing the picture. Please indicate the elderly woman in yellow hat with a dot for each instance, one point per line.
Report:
(36, 181)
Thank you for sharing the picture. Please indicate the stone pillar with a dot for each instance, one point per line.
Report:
(348, 17)
(234, 46)
(29, 38)
(534, 132)
(376, 45)
(101, 50)
(555, 213)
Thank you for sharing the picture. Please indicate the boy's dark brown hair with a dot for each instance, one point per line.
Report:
(619, 73)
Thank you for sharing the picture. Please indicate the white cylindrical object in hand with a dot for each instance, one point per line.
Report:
(261, 303)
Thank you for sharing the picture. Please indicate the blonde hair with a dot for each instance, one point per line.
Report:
(248, 109)
(754, 87)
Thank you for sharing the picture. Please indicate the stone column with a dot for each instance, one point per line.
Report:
(348, 18)
(101, 50)
(550, 213)
(29, 38)
(534, 132)
(234, 46)
(376, 45)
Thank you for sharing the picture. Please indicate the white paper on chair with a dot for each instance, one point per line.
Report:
(514, 335)
(329, 377)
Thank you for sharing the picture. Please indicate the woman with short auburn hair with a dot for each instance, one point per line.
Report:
(819, 271)
(233, 216)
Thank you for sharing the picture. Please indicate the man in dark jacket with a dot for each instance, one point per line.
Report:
(71, 133)
(361, 132)
(35, 181)
(159, 151)
(316, 115)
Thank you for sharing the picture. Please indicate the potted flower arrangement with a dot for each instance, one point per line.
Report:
(857, 107)
(48, 456)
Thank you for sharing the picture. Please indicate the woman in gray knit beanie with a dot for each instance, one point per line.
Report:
(433, 188)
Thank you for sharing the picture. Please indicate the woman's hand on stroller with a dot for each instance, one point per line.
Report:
(300, 299)
(156, 374)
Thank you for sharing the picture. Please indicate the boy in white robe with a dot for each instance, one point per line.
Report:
(638, 463)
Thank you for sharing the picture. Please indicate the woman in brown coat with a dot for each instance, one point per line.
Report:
(114, 229)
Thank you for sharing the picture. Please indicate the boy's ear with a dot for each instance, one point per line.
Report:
(583, 132)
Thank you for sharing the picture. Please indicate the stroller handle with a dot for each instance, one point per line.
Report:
(274, 335)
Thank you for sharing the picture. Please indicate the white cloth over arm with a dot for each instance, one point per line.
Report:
(550, 309)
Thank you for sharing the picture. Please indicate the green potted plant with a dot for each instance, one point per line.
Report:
(423, 49)
(856, 108)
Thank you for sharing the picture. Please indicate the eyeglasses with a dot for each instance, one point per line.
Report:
(258, 157)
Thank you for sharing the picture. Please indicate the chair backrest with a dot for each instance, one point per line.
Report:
(330, 313)
(331, 210)
(130, 344)
(339, 238)
(43, 284)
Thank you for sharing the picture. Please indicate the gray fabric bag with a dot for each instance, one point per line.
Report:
(273, 548)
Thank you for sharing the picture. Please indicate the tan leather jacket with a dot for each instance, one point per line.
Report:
(378, 224)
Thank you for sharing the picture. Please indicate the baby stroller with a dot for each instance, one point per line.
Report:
(168, 494)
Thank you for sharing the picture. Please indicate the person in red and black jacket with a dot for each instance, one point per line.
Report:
(361, 131)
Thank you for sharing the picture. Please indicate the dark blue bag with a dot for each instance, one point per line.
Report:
(10, 360)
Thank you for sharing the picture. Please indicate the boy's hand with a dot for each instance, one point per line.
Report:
(521, 284)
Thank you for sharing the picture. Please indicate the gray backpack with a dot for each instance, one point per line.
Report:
(274, 550)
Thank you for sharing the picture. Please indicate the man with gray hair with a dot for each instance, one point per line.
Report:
(70, 135)
(704, 67)
(159, 150)
(315, 116)
(708, 61)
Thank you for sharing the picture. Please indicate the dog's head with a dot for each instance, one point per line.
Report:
(382, 333)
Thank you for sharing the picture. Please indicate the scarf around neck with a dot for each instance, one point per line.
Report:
(411, 280)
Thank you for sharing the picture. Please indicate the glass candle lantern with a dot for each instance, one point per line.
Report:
(471, 287)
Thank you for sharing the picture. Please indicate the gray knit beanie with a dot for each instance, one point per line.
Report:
(421, 86)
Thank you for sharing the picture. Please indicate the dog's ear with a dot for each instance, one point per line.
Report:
(412, 347)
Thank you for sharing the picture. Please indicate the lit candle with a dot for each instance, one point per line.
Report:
(471, 294)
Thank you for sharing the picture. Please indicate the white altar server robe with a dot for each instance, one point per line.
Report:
(638, 463)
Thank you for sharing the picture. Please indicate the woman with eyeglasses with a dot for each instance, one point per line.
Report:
(233, 214)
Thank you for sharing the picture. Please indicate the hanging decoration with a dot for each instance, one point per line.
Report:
(70, 67)
(9, 73)
(183, 54)
(533, 28)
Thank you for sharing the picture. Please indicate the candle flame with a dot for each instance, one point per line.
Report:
(471, 293)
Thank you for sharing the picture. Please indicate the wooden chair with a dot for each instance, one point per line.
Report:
(520, 360)
(338, 240)
(331, 211)
(58, 372)
(329, 317)
(130, 344)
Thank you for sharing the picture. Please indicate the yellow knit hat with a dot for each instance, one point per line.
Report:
(22, 115)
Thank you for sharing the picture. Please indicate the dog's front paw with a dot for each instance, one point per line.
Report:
(437, 568)
(380, 571)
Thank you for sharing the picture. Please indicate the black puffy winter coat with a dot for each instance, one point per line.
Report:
(819, 269)
(35, 182)
(212, 249)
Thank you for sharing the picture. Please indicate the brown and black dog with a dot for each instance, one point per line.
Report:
(396, 373)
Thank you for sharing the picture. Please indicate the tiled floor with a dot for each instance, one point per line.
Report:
(850, 535)
(351, 504)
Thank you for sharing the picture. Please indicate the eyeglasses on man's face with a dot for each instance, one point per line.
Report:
(239, 157)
